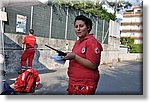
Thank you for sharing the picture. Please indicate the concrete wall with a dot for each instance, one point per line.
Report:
(13, 52)
(130, 56)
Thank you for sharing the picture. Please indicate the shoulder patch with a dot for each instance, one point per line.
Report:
(83, 50)
(97, 50)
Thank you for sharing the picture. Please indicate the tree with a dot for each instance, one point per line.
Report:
(91, 7)
(117, 5)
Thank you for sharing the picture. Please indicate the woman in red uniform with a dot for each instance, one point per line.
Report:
(84, 59)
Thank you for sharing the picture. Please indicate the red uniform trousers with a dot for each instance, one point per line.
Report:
(81, 89)
(28, 54)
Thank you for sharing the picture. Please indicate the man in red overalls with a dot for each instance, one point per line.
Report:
(28, 42)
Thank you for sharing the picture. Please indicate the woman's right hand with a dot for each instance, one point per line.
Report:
(69, 56)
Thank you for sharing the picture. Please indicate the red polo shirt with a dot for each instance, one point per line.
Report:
(29, 41)
(90, 49)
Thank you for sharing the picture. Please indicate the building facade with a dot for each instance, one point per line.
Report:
(132, 24)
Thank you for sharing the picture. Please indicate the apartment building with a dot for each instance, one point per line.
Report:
(132, 24)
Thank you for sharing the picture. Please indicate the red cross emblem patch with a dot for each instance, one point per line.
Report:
(97, 50)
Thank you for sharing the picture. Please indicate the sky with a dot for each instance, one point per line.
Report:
(134, 2)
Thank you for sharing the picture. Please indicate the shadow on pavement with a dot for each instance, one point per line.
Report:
(14, 75)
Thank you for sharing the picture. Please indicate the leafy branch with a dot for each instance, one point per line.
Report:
(88, 7)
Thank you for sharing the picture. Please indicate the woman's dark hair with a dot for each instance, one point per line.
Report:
(86, 20)
(31, 31)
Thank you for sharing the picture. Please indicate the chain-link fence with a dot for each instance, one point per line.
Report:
(51, 21)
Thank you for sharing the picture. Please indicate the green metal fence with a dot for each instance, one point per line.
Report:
(52, 21)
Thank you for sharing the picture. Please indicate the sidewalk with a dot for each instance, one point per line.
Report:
(125, 78)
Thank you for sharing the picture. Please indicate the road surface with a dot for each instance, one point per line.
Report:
(126, 78)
